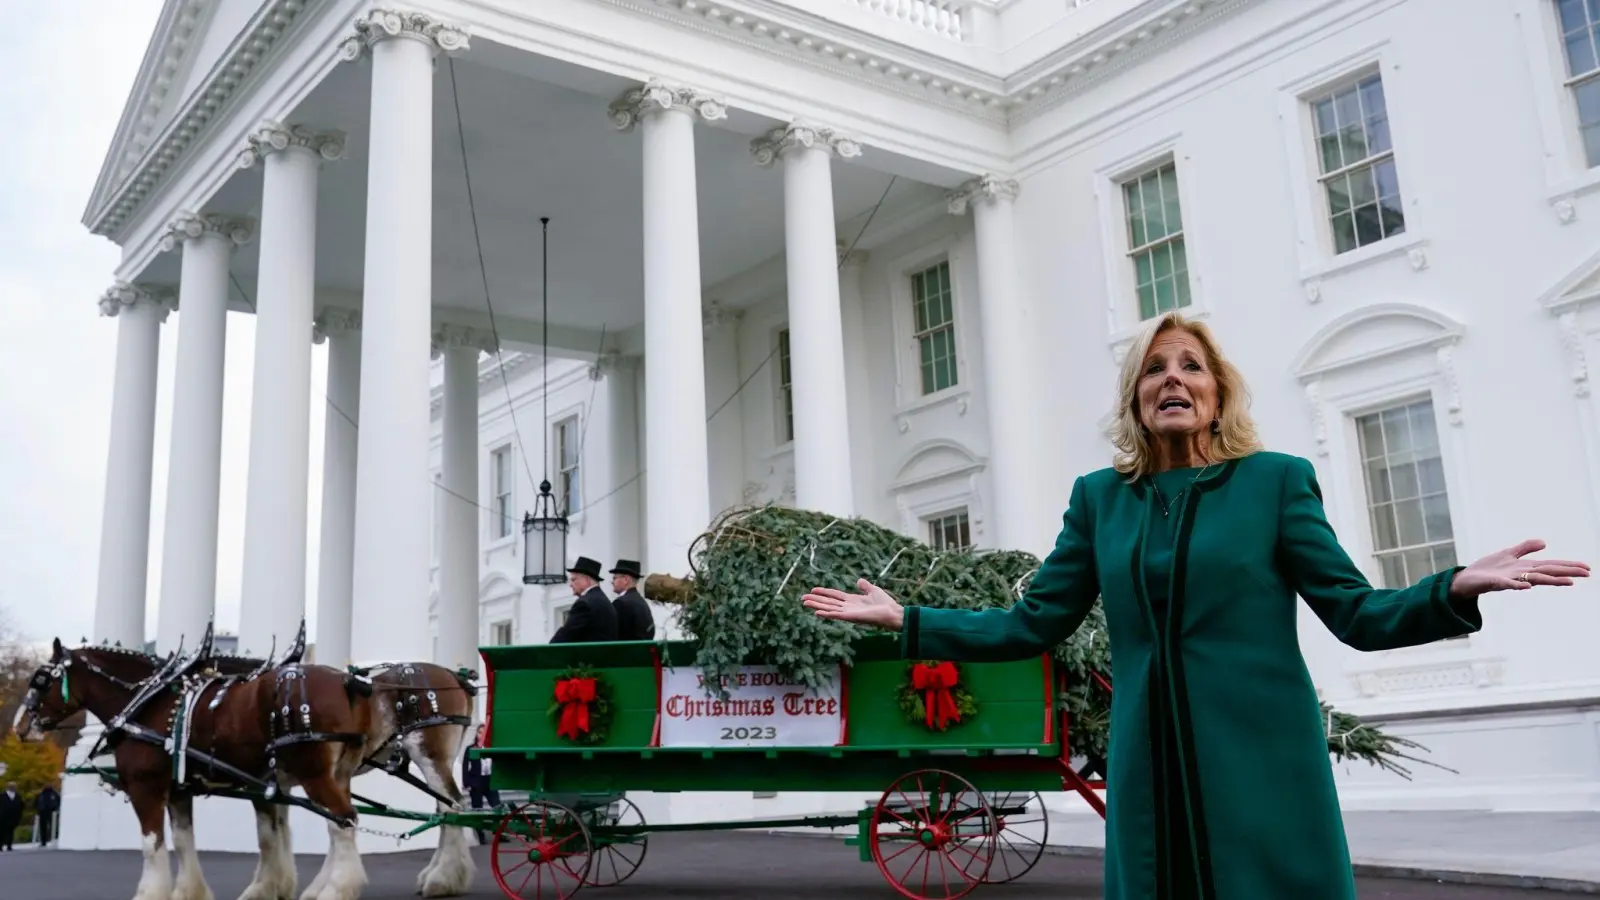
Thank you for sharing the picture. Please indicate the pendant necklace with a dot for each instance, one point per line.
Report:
(1166, 511)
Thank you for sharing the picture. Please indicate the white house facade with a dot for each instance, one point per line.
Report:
(873, 257)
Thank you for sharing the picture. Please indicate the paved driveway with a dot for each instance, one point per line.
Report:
(721, 866)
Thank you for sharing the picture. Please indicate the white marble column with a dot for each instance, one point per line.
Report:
(1011, 378)
(822, 476)
(341, 329)
(678, 491)
(620, 374)
(858, 375)
(273, 589)
(458, 531)
(194, 466)
(125, 519)
(389, 606)
(725, 431)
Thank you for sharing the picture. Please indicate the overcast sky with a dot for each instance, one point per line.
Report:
(72, 65)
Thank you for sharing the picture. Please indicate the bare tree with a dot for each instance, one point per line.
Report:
(18, 661)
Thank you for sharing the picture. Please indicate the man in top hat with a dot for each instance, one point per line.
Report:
(634, 622)
(592, 617)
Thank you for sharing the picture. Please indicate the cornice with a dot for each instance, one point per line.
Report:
(514, 362)
(160, 73)
(995, 97)
(210, 101)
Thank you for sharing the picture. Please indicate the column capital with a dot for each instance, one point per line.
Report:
(988, 186)
(192, 226)
(450, 337)
(333, 321)
(656, 96)
(611, 363)
(849, 259)
(771, 146)
(715, 315)
(125, 296)
(274, 137)
(383, 24)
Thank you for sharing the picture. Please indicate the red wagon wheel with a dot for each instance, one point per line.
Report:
(935, 830)
(1024, 826)
(541, 851)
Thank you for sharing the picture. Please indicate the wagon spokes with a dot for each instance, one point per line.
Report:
(1022, 826)
(541, 851)
(933, 836)
(620, 840)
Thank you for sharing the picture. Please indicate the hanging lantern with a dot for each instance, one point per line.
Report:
(544, 536)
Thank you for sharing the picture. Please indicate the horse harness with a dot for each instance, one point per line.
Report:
(416, 708)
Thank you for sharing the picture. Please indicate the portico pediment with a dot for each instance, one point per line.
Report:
(1579, 289)
(1372, 333)
(934, 460)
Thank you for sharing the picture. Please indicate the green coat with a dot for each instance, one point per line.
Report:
(1219, 783)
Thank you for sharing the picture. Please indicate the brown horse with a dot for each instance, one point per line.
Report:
(287, 726)
(425, 710)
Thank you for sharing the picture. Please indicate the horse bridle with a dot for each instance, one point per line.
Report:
(46, 675)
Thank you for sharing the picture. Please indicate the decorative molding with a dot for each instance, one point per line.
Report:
(1446, 358)
(124, 296)
(1418, 257)
(1313, 290)
(1479, 673)
(1440, 330)
(847, 258)
(1566, 210)
(1319, 416)
(334, 321)
(450, 336)
(770, 147)
(656, 96)
(208, 103)
(274, 137)
(192, 226)
(1572, 339)
(984, 187)
(384, 24)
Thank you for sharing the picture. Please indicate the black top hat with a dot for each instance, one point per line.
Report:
(587, 566)
(627, 567)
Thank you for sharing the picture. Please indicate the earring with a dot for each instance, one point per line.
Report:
(1216, 426)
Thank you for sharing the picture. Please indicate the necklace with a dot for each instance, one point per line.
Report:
(1166, 510)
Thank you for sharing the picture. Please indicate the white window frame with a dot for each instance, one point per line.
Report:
(909, 398)
(1344, 379)
(558, 614)
(1567, 173)
(1122, 299)
(928, 522)
(1364, 495)
(1314, 230)
(559, 465)
(492, 514)
(510, 627)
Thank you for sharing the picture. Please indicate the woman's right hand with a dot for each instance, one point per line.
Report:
(873, 606)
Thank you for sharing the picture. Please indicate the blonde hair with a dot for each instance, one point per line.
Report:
(1235, 436)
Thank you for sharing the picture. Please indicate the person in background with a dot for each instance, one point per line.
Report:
(46, 805)
(475, 778)
(10, 815)
(592, 618)
(1197, 540)
(634, 621)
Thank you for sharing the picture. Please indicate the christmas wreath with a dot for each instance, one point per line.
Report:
(933, 696)
(581, 710)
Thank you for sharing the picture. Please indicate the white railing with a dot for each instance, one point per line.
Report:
(942, 17)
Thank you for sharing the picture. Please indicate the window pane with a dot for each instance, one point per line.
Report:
(1162, 257)
(1419, 564)
(1572, 17)
(1408, 518)
(1339, 194)
(1588, 97)
(1354, 139)
(1444, 557)
(1388, 179)
(1166, 295)
(1396, 430)
(1147, 301)
(1344, 232)
(1347, 108)
(1384, 535)
(1394, 572)
(1363, 189)
(1143, 268)
(1392, 220)
(1580, 53)
(1135, 207)
(1369, 228)
(1430, 475)
(1332, 159)
(1322, 112)
(1169, 199)
(1403, 481)
(1370, 431)
(1378, 490)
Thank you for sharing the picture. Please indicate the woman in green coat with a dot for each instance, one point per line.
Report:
(1198, 541)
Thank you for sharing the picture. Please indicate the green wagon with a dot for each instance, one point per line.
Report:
(959, 756)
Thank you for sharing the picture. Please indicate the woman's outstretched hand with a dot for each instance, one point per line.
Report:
(1506, 570)
(873, 606)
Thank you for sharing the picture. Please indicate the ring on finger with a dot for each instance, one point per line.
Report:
(1526, 576)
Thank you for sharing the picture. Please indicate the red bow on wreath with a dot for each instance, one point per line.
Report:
(574, 695)
(935, 682)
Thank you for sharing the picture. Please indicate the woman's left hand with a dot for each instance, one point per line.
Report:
(1506, 570)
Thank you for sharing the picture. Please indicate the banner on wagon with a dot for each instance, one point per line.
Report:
(763, 709)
